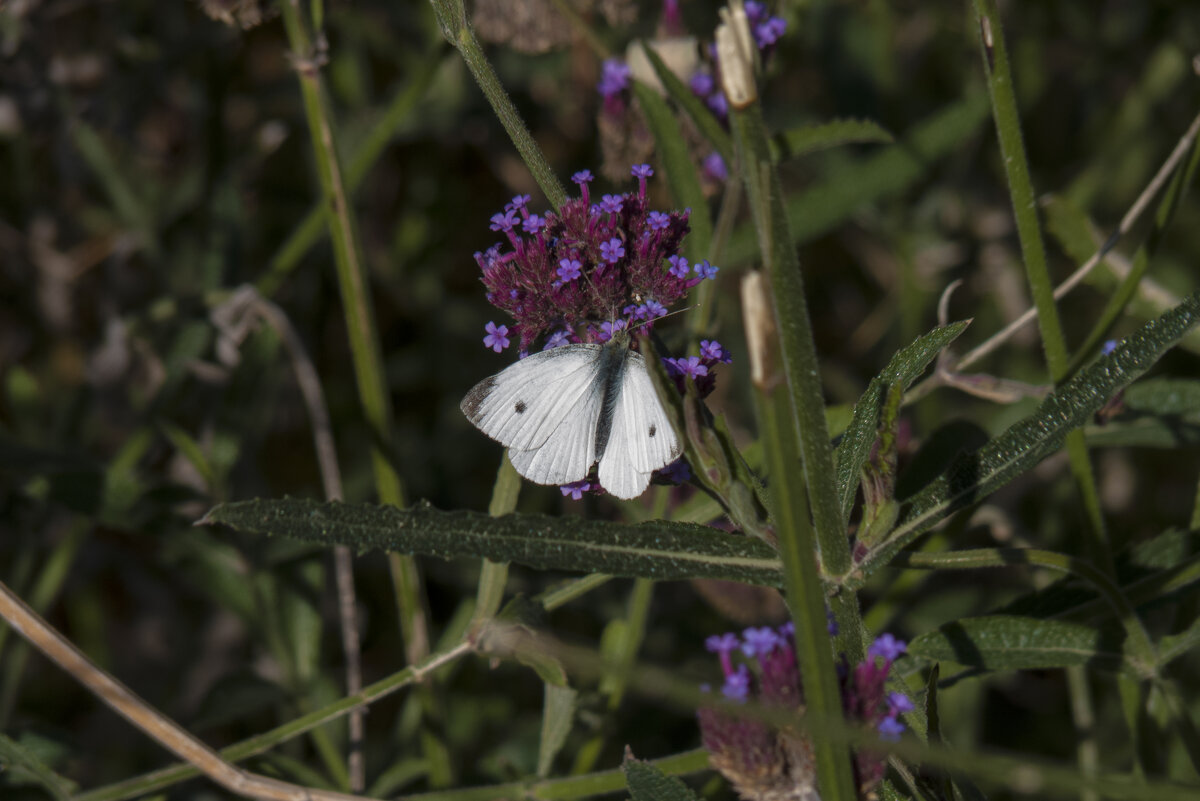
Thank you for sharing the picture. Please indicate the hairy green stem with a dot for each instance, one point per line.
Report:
(452, 19)
(796, 540)
(798, 351)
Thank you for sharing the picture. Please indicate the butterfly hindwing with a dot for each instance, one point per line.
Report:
(641, 439)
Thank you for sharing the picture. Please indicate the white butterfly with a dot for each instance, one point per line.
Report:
(561, 410)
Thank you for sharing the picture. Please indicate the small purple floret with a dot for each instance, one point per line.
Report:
(679, 266)
(611, 203)
(575, 490)
(737, 684)
(614, 77)
(890, 729)
(722, 643)
(608, 330)
(717, 103)
(706, 270)
(641, 171)
(759, 642)
(899, 703)
(557, 339)
(612, 250)
(1109, 347)
(710, 349)
(569, 269)
(677, 472)
(504, 222)
(497, 336)
(714, 167)
(888, 647)
(658, 221)
(702, 84)
(533, 224)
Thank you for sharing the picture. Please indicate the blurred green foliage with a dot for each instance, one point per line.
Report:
(154, 159)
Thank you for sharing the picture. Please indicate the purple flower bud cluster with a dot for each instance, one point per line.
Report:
(587, 270)
(762, 762)
(767, 30)
(614, 85)
(699, 368)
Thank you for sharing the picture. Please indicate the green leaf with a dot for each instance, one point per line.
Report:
(810, 138)
(681, 172)
(1080, 238)
(1007, 642)
(1025, 443)
(23, 765)
(1144, 432)
(1177, 645)
(708, 124)
(829, 203)
(1162, 413)
(648, 783)
(657, 549)
(904, 368)
(1165, 396)
(558, 713)
(1150, 574)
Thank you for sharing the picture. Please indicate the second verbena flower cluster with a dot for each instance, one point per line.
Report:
(762, 762)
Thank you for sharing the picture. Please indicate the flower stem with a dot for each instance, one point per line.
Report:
(453, 21)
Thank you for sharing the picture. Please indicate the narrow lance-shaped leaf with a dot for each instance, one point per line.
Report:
(827, 204)
(810, 138)
(1027, 442)
(558, 712)
(658, 549)
(1004, 642)
(681, 94)
(904, 368)
(681, 172)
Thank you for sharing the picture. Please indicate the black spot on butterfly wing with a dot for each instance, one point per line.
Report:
(653, 430)
(519, 407)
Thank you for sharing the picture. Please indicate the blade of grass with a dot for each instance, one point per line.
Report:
(1033, 251)
(310, 229)
(360, 322)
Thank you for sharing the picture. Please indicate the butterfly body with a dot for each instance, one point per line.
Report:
(563, 410)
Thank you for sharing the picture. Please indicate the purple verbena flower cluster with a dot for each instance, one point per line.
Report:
(588, 270)
(760, 761)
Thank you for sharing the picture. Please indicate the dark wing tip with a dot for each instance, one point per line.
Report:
(478, 394)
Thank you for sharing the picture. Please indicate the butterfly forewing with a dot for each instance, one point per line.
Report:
(641, 439)
(525, 405)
